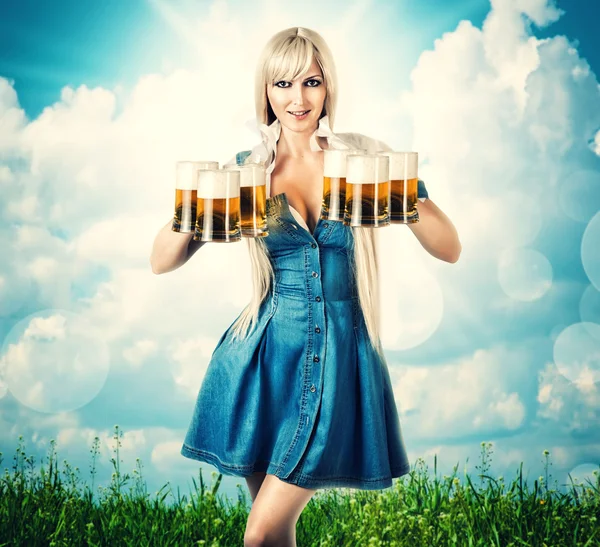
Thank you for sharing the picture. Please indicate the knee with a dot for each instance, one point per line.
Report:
(254, 538)
(260, 538)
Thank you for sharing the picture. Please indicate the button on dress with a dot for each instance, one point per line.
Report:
(305, 396)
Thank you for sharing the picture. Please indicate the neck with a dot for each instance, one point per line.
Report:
(295, 144)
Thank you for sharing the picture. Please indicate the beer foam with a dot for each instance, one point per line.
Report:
(403, 165)
(334, 164)
(367, 168)
(186, 173)
(218, 183)
(252, 175)
(184, 179)
(207, 164)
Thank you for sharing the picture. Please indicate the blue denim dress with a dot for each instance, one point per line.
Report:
(305, 396)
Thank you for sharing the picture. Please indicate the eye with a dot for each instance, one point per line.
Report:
(316, 83)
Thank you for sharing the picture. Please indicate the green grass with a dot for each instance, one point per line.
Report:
(52, 509)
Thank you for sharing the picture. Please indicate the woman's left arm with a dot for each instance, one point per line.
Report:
(435, 232)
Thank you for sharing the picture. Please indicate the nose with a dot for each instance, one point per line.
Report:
(298, 92)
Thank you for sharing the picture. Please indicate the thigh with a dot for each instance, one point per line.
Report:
(254, 482)
(277, 508)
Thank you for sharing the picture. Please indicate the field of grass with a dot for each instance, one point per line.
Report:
(58, 508)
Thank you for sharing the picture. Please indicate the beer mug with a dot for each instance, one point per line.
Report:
(218, 205)
(334, 182)
(403, 186)
(253, 199)
(184, 219)
(367, 190)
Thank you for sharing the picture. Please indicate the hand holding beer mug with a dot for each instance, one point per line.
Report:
(403, 182)
(184, 219)
(253, 199)
(218, 206)
(367, 190)
(334, 182)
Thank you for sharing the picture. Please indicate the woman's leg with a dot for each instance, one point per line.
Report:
(275, 512)
(254, 483)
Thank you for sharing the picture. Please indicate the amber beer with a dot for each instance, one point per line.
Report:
(253, 199)
(403, 187)
(334, 183)
(218, 206)
(184, 219)
(367, 190)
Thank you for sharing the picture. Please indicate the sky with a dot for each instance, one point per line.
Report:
(97, 103)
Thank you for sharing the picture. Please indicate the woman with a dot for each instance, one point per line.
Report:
(297, 395)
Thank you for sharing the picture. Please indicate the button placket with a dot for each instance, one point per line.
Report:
(319, 312)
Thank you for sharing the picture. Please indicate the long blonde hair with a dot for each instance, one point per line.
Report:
(286, 56)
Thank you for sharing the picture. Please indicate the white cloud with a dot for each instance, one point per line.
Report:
(191, 358)
(480, 394)
(485, 107)
(571, 406)
(137, 353)
(52, 327)
(166, 456)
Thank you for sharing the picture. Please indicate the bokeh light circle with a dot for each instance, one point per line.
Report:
(577, 354)
(590, 250)
(412, 306)
(579, 195)
(54, 361)
(521, 218)
(582, 475)
(524, 274)
(589, 305)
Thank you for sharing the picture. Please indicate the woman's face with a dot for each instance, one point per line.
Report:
(306, 92)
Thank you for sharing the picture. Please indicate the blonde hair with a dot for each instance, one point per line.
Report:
(286, 56)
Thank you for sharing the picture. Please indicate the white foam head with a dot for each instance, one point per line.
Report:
(218, 183)
(403, 165)
(206, 164)
(334, 162)
(367, 168)
(251, 174)
(186, 173)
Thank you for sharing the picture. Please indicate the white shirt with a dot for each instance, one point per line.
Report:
(266, 151)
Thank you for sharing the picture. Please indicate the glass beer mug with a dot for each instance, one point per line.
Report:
(218, 206)
(253, 199)
(367, 190)
(334, 182)
(403, 186)
(184, 219)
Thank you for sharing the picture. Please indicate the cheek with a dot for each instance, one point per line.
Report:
(319, 94)
(274, 99)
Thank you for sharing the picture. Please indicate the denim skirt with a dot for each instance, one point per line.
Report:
(304, 396)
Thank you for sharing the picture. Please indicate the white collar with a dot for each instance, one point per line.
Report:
(271, 133)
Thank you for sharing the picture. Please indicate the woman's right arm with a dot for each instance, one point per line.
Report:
(172, 249)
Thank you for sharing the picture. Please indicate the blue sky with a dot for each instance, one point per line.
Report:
(98, 103)
(47, 45)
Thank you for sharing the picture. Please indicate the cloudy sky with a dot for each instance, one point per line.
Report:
(502, 102)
